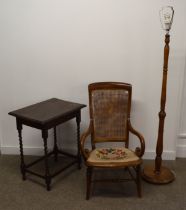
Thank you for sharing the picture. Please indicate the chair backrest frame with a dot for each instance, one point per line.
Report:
(113, 87)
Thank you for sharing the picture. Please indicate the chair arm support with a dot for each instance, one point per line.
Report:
(85, 152)
(139, 151)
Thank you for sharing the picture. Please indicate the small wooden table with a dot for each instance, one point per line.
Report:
(44, 116)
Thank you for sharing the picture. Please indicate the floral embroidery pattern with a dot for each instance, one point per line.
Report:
(111, 154)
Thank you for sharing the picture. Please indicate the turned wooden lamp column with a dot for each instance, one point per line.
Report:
(160, 174)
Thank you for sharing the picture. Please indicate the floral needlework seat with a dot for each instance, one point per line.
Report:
(109, 108)
(111, 155)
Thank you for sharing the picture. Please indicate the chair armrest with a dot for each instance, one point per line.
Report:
(85, 152)
(139, 151)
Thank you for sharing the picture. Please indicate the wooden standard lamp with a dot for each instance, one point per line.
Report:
(160, 174)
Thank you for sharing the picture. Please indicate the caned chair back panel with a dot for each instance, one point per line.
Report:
(109, 110)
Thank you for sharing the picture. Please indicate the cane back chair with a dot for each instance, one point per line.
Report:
(109, 107)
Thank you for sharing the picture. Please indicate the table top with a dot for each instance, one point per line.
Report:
(47, 111)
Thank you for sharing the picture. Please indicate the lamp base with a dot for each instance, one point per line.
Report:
(165, 176)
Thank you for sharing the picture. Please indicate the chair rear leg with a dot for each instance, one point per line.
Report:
(89, 177)
(138, 180)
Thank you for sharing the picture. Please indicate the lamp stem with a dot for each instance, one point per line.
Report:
(162, 113)
(160, 174)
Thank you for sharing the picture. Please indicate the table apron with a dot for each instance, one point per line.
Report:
(50, 124)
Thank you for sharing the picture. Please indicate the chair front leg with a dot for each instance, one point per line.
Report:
(138, 180)
(89, 178)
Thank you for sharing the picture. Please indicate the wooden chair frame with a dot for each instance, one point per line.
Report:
(139, 151)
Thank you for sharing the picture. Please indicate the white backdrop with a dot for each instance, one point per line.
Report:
(55, 48)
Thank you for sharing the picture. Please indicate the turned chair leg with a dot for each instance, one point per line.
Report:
(89, 177)
(138, 180)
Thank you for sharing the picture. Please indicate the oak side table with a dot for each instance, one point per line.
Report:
(44, 116)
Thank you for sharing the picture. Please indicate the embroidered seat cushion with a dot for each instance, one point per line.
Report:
(112, 155)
